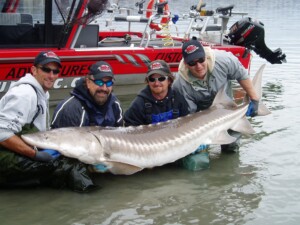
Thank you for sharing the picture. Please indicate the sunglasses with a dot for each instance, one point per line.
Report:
(101, 83)
(160, 79)
(48, 70)
(193, 63)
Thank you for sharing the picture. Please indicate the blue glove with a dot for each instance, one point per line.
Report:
(46, 155)
(42, 156)
(252, 108)
(55, 154)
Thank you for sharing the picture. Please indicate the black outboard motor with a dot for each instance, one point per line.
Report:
(251, 34)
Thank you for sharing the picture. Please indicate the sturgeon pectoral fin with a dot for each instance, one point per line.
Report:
(223, 138)
(243, 126)
(116, 168)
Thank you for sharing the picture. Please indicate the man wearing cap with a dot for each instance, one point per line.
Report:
(91, 102)
(203, 72)
(156, 102)
(24, 109)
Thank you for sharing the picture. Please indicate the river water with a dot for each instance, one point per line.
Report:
(258, 185)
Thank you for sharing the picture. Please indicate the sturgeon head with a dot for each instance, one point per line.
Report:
(87, 147)
(83, 143)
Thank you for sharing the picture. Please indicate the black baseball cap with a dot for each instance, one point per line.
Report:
(100, 70)
(159, 67)
(192, 50)
(46, 57)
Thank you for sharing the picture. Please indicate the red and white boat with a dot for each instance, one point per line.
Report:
(67, 28)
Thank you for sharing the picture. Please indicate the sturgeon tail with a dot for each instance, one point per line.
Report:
(257, 84)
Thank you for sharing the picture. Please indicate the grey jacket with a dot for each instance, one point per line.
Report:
(222, 68)
(20, 104)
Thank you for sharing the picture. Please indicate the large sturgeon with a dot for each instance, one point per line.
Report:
(126, 150)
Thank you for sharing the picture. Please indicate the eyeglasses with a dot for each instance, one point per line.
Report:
(160, 79)
(100, 83)
(193, 63)
(48, 70)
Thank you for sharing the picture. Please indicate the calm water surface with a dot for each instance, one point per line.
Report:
(258, 185)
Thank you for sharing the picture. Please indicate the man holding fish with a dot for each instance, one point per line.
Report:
(24, 109)
(203, 72)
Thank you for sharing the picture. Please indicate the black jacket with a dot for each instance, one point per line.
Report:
(145, 109)
(81, 110)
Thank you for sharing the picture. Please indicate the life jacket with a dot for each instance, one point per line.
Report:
(92, 120)
(161, 117)
(96, 120)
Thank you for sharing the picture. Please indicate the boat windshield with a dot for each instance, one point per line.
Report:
(36, 23)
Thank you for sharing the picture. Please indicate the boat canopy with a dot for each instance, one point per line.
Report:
(36, 23)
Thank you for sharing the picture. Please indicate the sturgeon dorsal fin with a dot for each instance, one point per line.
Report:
(223, 99)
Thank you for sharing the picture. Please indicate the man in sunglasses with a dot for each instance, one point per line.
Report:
(91, 102)
(156, 102)
(202, 72)
(24, 109)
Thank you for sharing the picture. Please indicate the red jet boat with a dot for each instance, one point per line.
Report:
(67, 28)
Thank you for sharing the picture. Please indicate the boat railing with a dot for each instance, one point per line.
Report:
(146, 34)
(207, 21)
(206, 24)
(125, 15)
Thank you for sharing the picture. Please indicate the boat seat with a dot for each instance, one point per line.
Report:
(15, 28)
(15, 34)
(9, 19)
(88, 37)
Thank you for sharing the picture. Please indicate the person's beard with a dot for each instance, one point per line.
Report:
(101, 100)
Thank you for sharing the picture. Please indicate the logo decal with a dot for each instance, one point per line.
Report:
(190, 49)
(156, 66)
(104, 68)
(50, 55)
